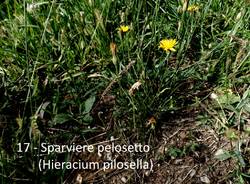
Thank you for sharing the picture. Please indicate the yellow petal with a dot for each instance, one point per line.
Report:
(124, 28)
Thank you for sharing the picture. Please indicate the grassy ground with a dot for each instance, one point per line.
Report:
(92, 71)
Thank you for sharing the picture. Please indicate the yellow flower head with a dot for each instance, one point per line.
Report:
(123, 29)
(193, 8)
(168, 44)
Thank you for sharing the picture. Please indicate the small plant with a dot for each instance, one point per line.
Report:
(79, 71)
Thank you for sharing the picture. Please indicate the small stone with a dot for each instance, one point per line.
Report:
(192, 173)
(205, 179)
(124, 180)
(213, 96)
(79, 179)
(147, 173)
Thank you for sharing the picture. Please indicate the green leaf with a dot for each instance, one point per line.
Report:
(222, 155)
(247, 107)
(228, 99)
(246, 94)
(61, 118)
(89, 104)
(87, 118)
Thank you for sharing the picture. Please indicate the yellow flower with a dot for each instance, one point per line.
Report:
(168, 44)
(193, 8)
(123, 28)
